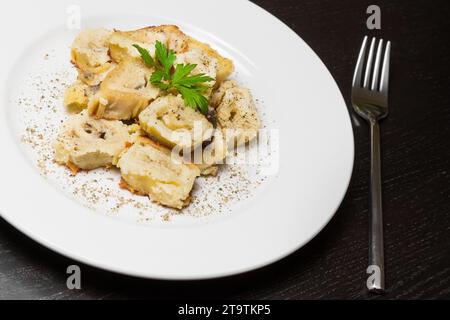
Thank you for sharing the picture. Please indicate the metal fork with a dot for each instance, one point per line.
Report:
(370, 101)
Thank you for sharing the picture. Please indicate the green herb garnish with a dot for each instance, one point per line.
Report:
(169, 77)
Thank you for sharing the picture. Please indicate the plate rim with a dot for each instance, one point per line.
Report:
(42, 241)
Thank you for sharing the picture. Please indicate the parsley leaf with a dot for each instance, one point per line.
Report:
(157, 78)
(165, 57)
(167, 76)
(182, 70)
(181, 76)
(145, 55)
(193, 98)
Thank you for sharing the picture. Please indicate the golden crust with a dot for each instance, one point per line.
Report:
(225, 66)
(149, 168)
(121, 46)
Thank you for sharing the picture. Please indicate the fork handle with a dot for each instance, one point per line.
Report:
(376, 254)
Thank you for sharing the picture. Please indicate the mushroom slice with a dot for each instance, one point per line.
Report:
(236, 112)
(88, 143)
(150, 169)
(124, 93)
(171, 122)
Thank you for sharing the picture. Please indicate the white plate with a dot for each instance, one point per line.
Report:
(270, 218)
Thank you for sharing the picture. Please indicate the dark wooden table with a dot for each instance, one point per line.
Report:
(416, 185)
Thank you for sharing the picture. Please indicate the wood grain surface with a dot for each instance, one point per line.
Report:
(416, 173)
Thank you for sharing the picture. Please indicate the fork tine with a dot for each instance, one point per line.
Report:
(376, 70)
(357, 77)
(369, 64)
(384, 86)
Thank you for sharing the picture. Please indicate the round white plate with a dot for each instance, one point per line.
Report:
(279, 214)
